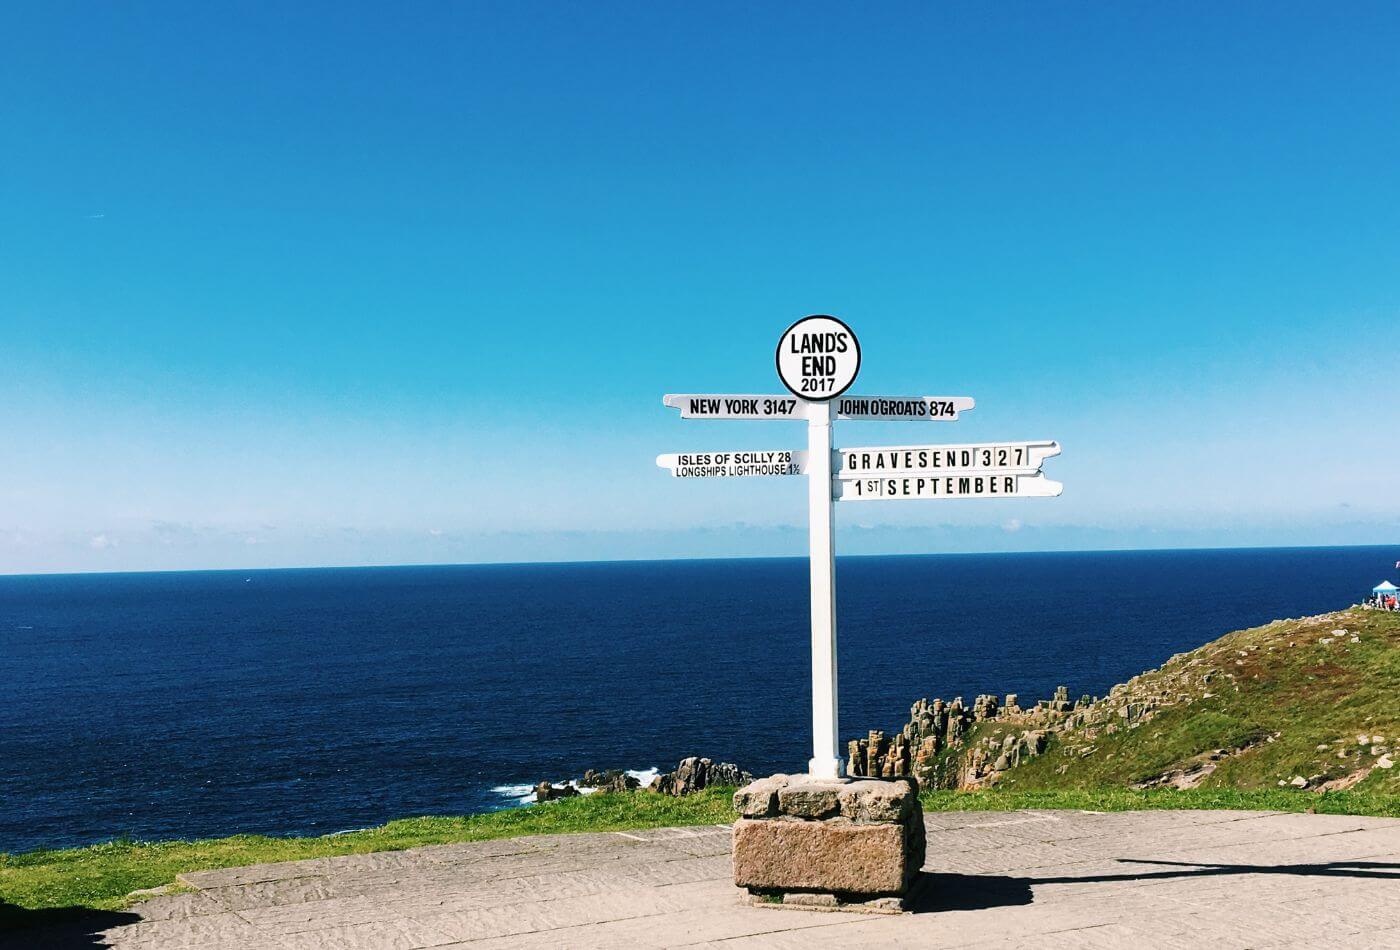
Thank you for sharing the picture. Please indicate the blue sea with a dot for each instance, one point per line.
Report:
(310, 701)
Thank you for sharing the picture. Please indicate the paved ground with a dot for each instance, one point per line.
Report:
(1023, 879)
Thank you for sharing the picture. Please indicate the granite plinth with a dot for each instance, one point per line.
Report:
(817, 843)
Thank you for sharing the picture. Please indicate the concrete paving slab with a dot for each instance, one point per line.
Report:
(1224, 880)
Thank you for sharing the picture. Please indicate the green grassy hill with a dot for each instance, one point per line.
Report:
(1311, 704)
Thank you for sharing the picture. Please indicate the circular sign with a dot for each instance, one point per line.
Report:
(818, 358)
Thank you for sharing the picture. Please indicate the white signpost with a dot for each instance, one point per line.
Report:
(818, 358)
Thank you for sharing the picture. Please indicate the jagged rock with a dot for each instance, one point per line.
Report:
(694, 773)
(612, 780)
(727, 773)
(934, 727)
(984, 708)
(548, 792)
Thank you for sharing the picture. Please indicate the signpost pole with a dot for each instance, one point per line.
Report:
(826, 758)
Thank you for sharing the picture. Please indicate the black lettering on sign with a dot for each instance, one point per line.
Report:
(837, 342)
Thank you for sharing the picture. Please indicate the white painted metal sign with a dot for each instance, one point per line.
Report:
(903, 408)
(966, 485)
(888, 459)
(818, 359)
(735, 464)
(736, 406)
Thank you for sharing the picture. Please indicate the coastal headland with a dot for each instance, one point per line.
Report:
(1305, 704)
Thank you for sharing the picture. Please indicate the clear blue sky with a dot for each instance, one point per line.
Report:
(340, 284)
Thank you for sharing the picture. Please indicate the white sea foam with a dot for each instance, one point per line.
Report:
(645, 776)
(522, 794)
(525, 794)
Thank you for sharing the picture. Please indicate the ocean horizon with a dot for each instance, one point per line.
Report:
(312, 700)
(684, 558)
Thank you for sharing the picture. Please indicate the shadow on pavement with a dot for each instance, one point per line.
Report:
(937, 892)
(943, 892)
(57, 928)
(1364, 869)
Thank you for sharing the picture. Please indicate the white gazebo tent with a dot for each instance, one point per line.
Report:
(1385, 589)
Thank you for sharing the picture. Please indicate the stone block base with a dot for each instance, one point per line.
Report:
(848, 903)
(828, 843)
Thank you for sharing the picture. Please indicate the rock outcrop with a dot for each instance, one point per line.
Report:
(694, 773)
(690, 775)
(548, 792)
(611, 780)
(937, 728)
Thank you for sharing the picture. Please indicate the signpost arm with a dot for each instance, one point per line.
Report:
(826, 757)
